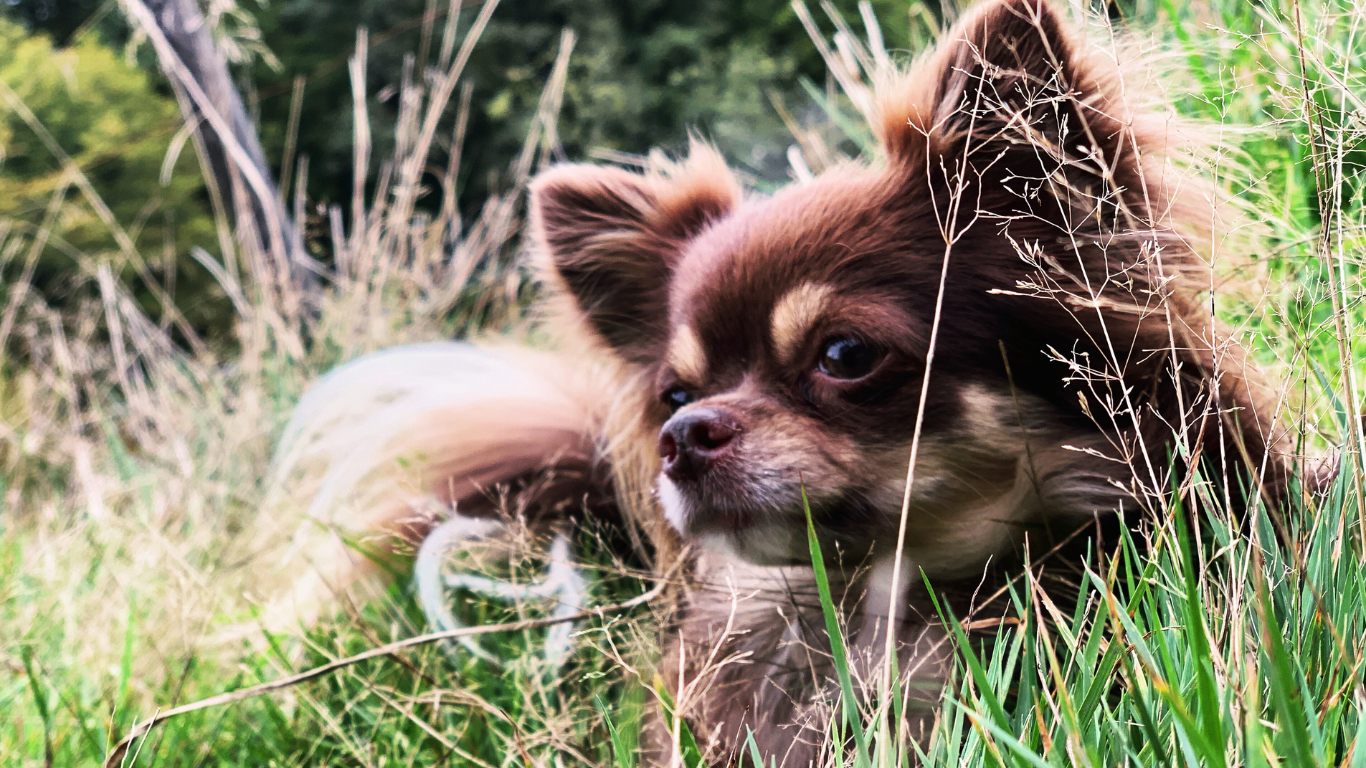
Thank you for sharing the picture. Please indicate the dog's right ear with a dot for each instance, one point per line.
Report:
(610, 239)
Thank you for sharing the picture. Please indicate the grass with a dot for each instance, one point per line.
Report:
(136, 528)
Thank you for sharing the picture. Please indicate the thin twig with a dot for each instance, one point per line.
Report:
(281, 232)
(116, 754)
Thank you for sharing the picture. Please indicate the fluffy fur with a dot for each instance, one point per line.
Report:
(1077, 373)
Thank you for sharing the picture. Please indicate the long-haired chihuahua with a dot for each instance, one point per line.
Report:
(991, 336)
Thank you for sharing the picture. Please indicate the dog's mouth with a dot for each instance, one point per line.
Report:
(770, 530)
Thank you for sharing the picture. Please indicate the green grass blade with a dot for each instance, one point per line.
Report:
(1210, 713)
(623, 748)
(689, 752)
(1284, 689)
(753, 747)
(848, 701)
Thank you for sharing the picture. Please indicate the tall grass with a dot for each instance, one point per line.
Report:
(1235, 643)
(137, 535)
(134, 529)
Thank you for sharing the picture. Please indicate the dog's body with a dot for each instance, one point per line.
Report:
(1024, 240)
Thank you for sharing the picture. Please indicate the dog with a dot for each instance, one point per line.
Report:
(993, 336)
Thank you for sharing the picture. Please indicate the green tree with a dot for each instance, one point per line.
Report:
(109, 120)
(644, 73)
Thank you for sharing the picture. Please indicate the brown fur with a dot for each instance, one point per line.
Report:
(1074, 358)
(1009, 151)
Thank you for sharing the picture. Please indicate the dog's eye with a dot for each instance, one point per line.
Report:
(848, 358)
(675, 398)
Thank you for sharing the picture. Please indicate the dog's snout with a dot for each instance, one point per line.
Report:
(692, 441)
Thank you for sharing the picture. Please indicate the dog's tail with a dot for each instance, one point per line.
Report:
(390, 444)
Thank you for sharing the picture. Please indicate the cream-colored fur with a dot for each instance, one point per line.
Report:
(793, 316)
(394, 440)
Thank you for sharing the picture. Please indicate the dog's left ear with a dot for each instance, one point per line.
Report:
(610, 238)
(1008, 85)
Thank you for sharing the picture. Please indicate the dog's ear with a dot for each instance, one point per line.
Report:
(1007, 85)
(609, 238)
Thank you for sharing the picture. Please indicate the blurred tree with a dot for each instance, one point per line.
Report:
(107, 117)
(644, 73)
(59, 19)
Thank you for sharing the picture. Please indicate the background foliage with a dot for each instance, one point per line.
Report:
(107, 119)
(644, 74)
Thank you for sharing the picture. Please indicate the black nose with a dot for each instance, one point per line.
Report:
(692, 441)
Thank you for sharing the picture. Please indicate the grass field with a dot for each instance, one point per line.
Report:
(138, 530)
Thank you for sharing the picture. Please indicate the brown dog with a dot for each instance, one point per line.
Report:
(1008, 299)
(1010, 296)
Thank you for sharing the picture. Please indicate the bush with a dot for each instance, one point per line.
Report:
(82, 112)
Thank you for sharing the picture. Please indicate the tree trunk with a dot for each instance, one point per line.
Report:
(188, 56)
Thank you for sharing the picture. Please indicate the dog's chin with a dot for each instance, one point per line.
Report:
(767, 545)
(775, 539)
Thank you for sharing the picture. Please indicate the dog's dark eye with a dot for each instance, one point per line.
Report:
(675, 398)
(848, 358)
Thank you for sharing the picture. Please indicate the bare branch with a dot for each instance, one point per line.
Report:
(115, 755)
(200, 76)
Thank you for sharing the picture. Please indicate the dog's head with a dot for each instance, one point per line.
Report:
(786, 337)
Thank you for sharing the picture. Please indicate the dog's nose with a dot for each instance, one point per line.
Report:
(693, 440)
